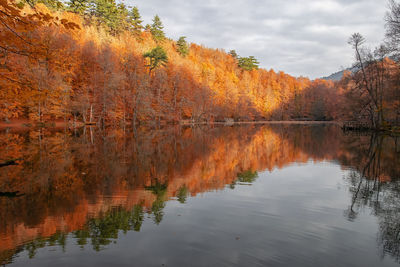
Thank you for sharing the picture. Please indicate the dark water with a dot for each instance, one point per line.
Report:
(274, 195)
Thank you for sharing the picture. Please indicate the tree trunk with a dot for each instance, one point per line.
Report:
(39, 112)
(91, 113)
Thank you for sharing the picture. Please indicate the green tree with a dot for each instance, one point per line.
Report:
(183, 48)
(147, 28)
(233, 54)
(157, 29)
(109, 14)
(248, 63)
(158, 57)
(78, 6)
(122, 18)
(135, 20)
(51, 4)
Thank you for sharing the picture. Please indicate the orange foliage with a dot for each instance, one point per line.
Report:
(82, 72)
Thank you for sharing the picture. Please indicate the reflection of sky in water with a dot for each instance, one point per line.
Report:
(292, 216)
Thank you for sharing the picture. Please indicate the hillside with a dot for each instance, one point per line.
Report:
(87, 66)
(94, 62)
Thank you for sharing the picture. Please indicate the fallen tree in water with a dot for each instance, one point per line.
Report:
(11, 194)
(9, 163)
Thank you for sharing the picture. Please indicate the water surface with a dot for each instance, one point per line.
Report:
(255, 195)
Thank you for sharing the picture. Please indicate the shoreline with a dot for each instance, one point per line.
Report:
(25, 124)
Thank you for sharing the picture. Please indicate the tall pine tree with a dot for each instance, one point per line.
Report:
(157, 29)
(110, 14)
(135, 21)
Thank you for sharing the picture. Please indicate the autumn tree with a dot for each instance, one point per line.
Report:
(102, 75)
(24, 48)
(136, 84)
(85, 83)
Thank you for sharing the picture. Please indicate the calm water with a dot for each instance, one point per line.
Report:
(273, 195)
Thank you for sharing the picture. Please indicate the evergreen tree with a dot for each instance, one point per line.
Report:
(135, 20)
(122, 18)
(78, 6)
(147, 28)
(248, 63)
(109, 14)
(158, 57)
(183, 48)
(51, 4)
(157, 29)
(233, 54)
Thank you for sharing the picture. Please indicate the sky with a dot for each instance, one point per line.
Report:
(300, 37)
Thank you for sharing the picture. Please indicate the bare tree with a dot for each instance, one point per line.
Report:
(393, 26)
(370, 79)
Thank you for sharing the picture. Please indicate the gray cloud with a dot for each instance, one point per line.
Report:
(300, 37)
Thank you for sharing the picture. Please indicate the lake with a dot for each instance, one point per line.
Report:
(250, 195)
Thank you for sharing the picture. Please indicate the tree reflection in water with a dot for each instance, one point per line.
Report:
(375, 183)
(160, 191)
(246, 177)
(97, 186)
(182, 194)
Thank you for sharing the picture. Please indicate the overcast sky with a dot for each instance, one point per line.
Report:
(300, 37)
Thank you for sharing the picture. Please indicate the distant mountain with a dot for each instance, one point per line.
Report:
(338, 75)
(334, 76)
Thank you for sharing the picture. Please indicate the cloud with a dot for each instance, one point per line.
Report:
(300, 37)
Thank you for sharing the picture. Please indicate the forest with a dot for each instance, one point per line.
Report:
(94, 62)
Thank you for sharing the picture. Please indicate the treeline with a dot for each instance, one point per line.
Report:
(95, 62)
